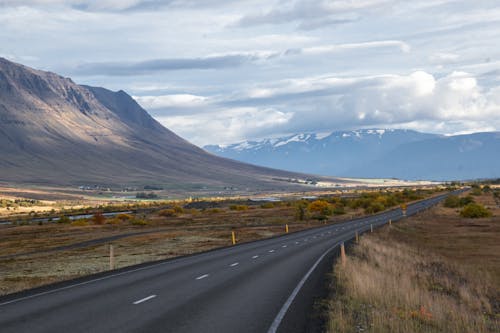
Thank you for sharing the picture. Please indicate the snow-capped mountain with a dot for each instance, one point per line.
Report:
(374, 153)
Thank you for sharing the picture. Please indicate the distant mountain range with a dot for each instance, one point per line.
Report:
(375, 153)
(53, 131)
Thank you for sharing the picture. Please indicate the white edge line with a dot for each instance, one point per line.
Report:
(202, 276)
(234, 264)
(144, 299)
(281, 314)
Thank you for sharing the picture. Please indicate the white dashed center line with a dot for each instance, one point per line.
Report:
(202, 277)
(283, 246)
(144, 299)
(255, 257)
(234, 264)
(271, 251)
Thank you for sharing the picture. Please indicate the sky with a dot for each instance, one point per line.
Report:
(218, 72)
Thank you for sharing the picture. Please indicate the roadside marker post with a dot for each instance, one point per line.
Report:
(357, 237)
(111, 257)
(233, 237)
(286, 228)
(390, 222)
(403, 208)
(342, 254)
(371, 227)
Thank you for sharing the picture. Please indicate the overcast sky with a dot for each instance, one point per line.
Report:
(217, 71)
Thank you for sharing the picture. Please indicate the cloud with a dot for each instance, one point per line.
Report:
(227, 125)
(114, 5)
(158, 65)
(171, 101)
(450, 104)
(404, 47)
(311, 14)
(228, 60)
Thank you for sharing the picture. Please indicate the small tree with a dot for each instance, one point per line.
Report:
(319, 209)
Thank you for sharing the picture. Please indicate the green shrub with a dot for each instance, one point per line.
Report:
(214, 211)
(238, 207)
(339, 210)
(374, 207)
(178, 209)
(452, 201)
(474, 210)
(64, 219)
(139, 222)
(79, 223)
(466, 200)
(300, 212)
(124, 217)
(267, 205)
(476, 191)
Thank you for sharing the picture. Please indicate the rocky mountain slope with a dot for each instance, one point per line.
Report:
(53, 131)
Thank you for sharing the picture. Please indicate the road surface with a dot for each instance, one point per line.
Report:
(263, 286)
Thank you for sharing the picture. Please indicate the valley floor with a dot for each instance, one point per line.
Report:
(435, 272)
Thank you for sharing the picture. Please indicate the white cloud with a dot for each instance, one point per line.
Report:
(171, 101)
(404, 47)
(227, 125)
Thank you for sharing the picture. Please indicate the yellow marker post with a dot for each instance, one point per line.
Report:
(357, 237)
(403, 208)
(286, 228)
(233, 237)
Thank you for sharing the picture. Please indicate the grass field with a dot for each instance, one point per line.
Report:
(435, 272)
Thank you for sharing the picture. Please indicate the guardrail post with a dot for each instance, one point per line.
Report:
(111, 257)
(342, 254)
(233, 237)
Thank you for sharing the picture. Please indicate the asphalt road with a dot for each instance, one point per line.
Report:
(263, 286)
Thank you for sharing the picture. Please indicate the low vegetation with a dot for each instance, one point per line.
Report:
(167, 229)
(434, 272)
(392, 287)
(474, 210)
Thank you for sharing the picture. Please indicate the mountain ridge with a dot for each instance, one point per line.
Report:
(53, 131)
(362, 153)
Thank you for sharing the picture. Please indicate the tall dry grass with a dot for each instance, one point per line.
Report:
(393, 287)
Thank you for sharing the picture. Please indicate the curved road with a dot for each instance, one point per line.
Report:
(263, 286)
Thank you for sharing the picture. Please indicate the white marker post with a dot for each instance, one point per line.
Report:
(111, 257)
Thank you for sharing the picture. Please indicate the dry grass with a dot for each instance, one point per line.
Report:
(179, 231)
(436, 272)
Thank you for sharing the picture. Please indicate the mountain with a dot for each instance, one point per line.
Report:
(375, 153)
(53, 131)
(329, 153)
